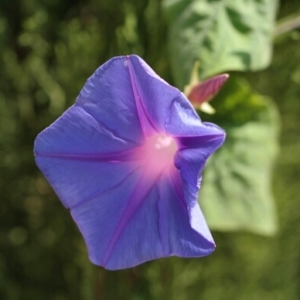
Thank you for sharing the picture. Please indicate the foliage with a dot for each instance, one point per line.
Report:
(223, 35)
(236, 186)
(49, 48)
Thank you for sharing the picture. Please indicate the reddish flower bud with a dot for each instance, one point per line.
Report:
(206, 90)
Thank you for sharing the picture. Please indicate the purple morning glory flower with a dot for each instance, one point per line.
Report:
(126, 159)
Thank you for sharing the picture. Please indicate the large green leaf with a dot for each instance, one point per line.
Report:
(223, 35)
(236, 189)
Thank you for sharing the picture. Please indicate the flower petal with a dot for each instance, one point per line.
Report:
(184, 121)
(192, 157)
(108, 92)
(156, 96)
(165, 106)
(79, 156)
(134, 224)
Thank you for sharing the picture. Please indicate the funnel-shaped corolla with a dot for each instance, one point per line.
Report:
(126, 159)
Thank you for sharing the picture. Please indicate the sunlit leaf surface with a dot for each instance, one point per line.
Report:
(223, 35)
(236, 191)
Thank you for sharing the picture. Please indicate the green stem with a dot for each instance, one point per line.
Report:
(288, 25)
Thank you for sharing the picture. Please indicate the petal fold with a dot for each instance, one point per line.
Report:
(155, 94)
(108, 96)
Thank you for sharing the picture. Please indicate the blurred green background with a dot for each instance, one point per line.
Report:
(47, 51)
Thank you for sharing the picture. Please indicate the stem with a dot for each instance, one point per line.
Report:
(288, 25)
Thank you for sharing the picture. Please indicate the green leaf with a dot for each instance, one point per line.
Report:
(236, 188)
(224, 35)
